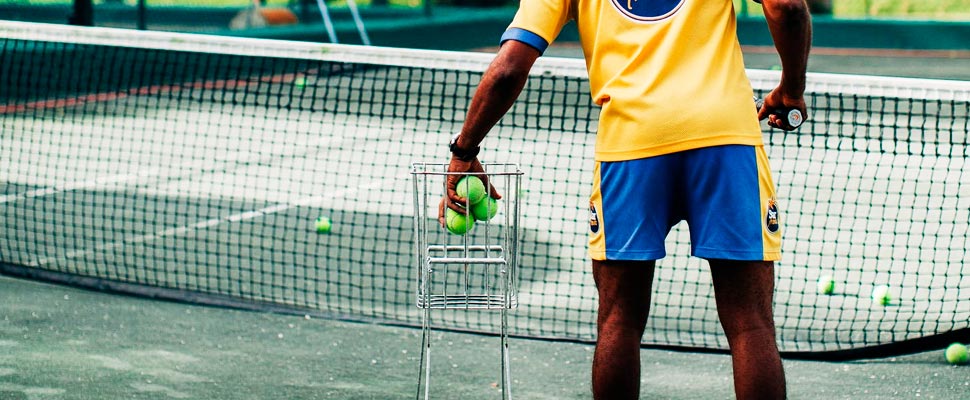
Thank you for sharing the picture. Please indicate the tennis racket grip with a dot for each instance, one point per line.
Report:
(794, 116)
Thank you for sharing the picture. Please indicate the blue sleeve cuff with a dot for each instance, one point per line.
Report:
(524, 36)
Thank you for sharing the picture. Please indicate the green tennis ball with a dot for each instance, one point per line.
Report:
(826, 285)
(458, 223)
(956, 354)
(471, 188)
(485, 210)
(882, 295)
(323, 225)
(299, 81)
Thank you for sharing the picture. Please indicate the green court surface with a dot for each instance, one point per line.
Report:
(912, 64)
(63, 343)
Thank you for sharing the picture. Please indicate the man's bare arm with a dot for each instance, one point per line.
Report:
(791, 29)
(500, 87)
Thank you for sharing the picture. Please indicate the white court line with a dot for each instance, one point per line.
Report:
(157, 172)
(110, 179)
(209, 223)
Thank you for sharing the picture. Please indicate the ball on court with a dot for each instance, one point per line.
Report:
(485, 210)
(956, 354)
(323, 225)
(882, 295)
(826, 285)
(471, 188)
(458, 223)
(299, 81)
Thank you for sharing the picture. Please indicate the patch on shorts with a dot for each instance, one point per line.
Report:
(771, 216)
(594, 221)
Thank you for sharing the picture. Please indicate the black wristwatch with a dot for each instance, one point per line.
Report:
(464, 155)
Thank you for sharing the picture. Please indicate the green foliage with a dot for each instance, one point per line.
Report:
(901, 9)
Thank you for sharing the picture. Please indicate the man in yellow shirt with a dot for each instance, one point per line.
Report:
(676, 113)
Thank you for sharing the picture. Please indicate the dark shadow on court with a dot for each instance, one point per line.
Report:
(222, 251)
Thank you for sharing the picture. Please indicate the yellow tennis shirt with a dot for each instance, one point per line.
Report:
(668, 73)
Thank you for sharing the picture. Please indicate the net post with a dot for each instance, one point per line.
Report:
(427, 8)
(142, 15)
(83, 13)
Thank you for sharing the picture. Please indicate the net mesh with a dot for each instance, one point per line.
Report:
(200, 164)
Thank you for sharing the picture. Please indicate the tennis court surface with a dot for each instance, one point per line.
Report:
(64, 343)
(191, 168)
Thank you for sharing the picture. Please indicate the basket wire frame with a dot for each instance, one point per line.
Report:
(475, 271)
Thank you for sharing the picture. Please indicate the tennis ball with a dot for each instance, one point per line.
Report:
(485, 210)
(471, 188)
(458, 223)
(299, 81)
(826, 285)
(882, 295)
(323, 225)
(956, 354)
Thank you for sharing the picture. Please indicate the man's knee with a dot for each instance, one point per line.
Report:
(757, 332)
(744, 294)
(624, 293)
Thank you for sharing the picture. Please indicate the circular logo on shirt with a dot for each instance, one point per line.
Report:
(648, 10)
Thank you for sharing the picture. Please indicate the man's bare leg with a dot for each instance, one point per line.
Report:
(743, 290)
(624, 304)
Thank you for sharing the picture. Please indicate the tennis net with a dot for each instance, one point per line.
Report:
(193, 167)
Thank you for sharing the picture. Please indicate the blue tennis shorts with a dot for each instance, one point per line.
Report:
(725, 193)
